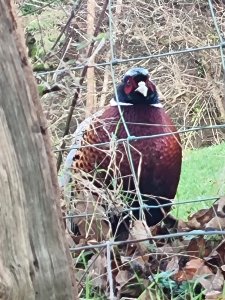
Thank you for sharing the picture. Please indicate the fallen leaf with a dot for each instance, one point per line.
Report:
(216, 223)
(133, 288)
(141, 231)
(173, 264)
(123, 277)
(197, 247)
(217, 256)
(213, 282)
(182, 226)
(149, 294)
(214, 295)
(213, 217)
(200, 218)
(94, 222)
(221, 207)
(97, 270)
(192, 269)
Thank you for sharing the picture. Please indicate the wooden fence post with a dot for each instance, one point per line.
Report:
(34, 259)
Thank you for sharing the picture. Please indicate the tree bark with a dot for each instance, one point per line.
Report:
(35, 262)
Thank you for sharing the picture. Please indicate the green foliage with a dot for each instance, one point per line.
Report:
(164, 286)
(202, 176)
(31, 6)
(41, 34)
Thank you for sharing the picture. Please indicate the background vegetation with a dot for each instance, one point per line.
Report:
(191, 83)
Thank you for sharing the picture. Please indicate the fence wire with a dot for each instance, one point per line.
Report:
(114, 61)
(136, 138)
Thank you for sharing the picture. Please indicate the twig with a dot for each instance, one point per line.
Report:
(83, 74)
(38, 9)
(109, 270)
(72, 16)
(157, 237)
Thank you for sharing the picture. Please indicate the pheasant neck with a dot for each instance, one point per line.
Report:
(114, 102)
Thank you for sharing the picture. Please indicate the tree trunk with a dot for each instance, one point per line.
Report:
(34, 260)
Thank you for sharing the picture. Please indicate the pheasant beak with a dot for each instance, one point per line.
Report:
(142, 88)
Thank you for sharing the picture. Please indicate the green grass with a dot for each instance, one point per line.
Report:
(202, 176)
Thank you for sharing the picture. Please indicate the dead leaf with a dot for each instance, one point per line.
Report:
(123, 277)
(214, 295)
(192, 269)
(217, 256)
(133, 288)
(200, 218)
(213, 282)
(97, 270)
(140, 265)
(141, 231)
(216, 223)
(149, 295)
(197, 247)
(182, 226)
(94, 223)
(213, 217)
(173, 264)
(221, 207)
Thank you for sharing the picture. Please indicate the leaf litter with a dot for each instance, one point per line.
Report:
(169, 268)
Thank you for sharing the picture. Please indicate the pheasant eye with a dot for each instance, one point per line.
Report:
(128, 82)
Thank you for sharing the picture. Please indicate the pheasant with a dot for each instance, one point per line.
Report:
(149, 166)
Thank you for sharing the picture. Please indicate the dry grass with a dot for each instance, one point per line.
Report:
(191, 84)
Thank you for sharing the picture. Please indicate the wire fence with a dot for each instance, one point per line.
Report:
(114, 61)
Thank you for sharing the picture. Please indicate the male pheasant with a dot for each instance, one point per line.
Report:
(156, 159)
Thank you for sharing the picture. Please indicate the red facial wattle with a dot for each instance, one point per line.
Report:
(131, 85)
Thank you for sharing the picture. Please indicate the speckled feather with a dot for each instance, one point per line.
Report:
(160, 157)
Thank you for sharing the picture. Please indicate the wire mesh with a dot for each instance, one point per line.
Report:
(112, 63)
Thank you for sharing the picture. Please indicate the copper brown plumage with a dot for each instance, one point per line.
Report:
(156, 161)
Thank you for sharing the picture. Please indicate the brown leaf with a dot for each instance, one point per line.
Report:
(193, 223)
(166, 250)
(217, 256)
(197, 247)
(213, 282)
(214, 217)
(96, 225)
(200, 218)
(179, 245)
(182, 226)
(149, 295)
(173, 264)
(214, 295)
(134, 288)
(123, 277)
(141, 231)
(216, 223)
(221, 207)
(192, 269)
(97, 270)
(140, 265)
